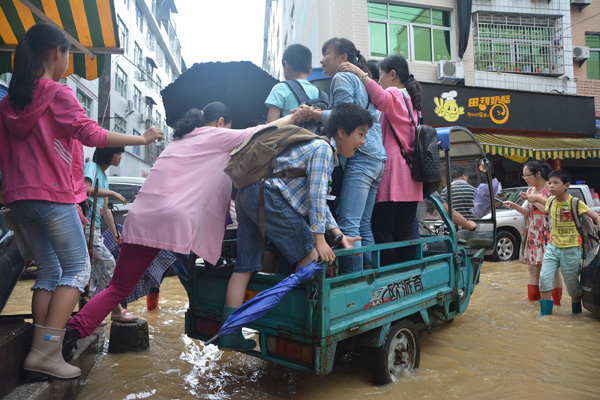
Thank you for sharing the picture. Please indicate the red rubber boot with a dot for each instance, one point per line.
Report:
(533, 292)
(152, 301)
(556, 296)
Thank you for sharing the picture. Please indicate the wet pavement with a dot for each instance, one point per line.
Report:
(500, 348)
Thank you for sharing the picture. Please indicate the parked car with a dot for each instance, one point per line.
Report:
(509, 222)
(128, 187)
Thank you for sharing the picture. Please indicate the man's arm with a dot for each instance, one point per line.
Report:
(460, 220)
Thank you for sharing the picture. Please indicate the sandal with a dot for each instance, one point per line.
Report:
(123, 316)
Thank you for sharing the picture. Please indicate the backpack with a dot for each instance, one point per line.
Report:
(585, 226)
(425, 165)
(254, 159)
(320, 103)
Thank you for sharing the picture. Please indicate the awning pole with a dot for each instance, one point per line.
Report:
(46, 19)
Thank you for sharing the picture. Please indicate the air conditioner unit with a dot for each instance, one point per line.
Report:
(581, 53)
(142, 118)
(129, 105)
(450, 70)
(140, 76)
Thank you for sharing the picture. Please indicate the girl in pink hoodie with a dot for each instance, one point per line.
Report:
(42, 126)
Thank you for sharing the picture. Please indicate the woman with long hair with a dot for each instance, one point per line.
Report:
(364, 170)
(398, 97)
(535, 174)
(42, 128)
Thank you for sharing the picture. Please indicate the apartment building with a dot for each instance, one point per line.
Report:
(510, 64)
(585, 27)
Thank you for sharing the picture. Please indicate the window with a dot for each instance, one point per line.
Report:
(85, 101)
(137, 55)
(149, 110)
(168, 71)
(418, 34)
(137, 150)
(592, 40)
(139, 18)
(158, 119)
(518, 43)
(158, 83)
(123, 34)
(120, 124)
(137, 99)
(126, 2)
(121, 82)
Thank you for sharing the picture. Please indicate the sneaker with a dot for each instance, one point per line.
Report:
(123, 316)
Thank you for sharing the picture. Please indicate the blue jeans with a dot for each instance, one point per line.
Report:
(362, 175)
(284, 227)
(568, 259)
(55, 238)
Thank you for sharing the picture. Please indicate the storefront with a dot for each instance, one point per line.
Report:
(516, 126)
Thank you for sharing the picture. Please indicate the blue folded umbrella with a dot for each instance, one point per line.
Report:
(258, 306)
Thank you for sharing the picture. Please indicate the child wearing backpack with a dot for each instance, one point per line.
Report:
(564, 248)
(296, 213)
(287, 96)
(42, 128)
(399, 194)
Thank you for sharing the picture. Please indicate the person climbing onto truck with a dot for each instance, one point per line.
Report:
(296, 213)
(564, 247)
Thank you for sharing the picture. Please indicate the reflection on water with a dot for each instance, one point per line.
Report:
(498, 349)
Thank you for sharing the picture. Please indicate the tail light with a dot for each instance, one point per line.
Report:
(290, 349)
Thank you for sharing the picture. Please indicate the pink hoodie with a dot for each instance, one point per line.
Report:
(40, 146)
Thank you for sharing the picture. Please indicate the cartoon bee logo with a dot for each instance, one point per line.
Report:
(447, 107)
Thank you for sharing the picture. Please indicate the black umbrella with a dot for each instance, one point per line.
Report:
(241, 85)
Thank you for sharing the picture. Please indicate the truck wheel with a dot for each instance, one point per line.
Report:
(507, 247)
(400, 353)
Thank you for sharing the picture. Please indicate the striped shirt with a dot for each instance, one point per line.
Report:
(307, 194)
(462, 198)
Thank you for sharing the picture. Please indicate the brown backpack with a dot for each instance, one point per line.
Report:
(254, 159)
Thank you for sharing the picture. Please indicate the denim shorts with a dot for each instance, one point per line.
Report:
(568, 259)
(55, 238)
(284, 227)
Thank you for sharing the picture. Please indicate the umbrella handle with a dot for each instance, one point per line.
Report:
(212, 339)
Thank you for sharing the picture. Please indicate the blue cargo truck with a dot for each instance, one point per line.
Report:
(383, 309)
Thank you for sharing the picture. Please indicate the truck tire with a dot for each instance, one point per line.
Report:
(507, 247)
(400, 353)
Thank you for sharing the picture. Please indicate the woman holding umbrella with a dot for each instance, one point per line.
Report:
(182, 207)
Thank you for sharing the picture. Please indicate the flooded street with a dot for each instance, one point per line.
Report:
(498, 349)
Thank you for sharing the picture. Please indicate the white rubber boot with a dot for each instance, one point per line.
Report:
(45, 356)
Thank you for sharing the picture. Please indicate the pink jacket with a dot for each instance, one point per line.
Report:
(183, 204)
(397, 183)
(38, 153)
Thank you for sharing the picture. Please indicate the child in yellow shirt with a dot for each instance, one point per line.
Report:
(564, 247)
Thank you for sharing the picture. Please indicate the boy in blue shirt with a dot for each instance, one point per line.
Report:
(564, 248)
(296, 62)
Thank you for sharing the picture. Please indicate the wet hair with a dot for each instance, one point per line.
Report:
(195, 118)
(30, 54)
(457, 170)
(344, 46)
(298, 57)
(347, 116)
(564, 176)
(374, 68)
(399, 64)
(535, 166)
(105, 155)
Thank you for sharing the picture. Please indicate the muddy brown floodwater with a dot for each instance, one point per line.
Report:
(499, 349)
